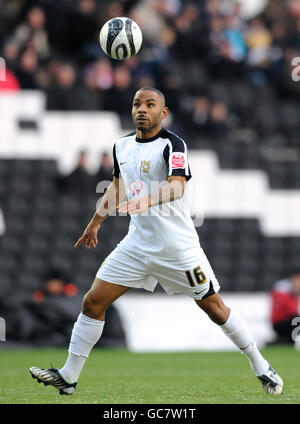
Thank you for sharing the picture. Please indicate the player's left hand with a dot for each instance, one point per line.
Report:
(134, 206)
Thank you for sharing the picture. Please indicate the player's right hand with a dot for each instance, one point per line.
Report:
(89, 237)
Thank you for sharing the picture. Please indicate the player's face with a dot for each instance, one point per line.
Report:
(148, 111)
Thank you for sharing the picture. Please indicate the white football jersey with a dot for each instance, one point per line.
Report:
(144, 165)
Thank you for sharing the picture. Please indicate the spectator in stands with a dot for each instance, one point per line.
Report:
(259, 40)
(118, 97)
(148, 15)
(53, 308)
(235, 38)
(98, 78)
(218, 125)
(55, 284)
(45, 316)
(285, 298)
(192, 39)
(33, 33)
(99, 75)
(79, 181)
(201, 114)
(27, 69)
(114, 8)
(104, 173)
(10, 53)
(50, 311)
(68, 93)
(83, 28)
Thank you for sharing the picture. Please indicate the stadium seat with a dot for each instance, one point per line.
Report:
(7, 285)
(58, 261)
(19, 185)
(243, 281)
(41, 225)
(288, 113)
(45, 186)
(15, 225)
(69, 204)
(8, 263)
(5, 167)
(23, 167)
(29, 282)
(18, 205)
(33, 263)
(64, 243)
(11, 245)
(46, 167)
(68, 226)
(36, 244)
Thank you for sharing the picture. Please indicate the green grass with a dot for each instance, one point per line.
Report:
(118, 376)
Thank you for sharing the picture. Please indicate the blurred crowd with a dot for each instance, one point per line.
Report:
(80, 180)
(53, 46)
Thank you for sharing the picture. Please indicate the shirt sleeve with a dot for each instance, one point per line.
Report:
(175, 155)
(116, 170)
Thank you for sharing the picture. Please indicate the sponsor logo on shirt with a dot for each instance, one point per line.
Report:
(135, 187)
(178, 161)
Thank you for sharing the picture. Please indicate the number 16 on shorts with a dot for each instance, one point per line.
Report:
(195, 276)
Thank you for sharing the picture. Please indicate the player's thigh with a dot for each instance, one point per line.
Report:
(190, 274)
(103, 293)
(126, 267)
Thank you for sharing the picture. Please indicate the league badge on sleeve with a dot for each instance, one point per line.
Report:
(178, 160)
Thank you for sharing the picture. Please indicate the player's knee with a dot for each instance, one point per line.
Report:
(214, 307)
(93, 306)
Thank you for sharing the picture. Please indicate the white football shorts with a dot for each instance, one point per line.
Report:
(190, 274)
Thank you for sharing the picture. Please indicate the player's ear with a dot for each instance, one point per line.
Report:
(165, 112)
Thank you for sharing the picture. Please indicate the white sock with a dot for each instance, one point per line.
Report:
(86, 332)
(237, 331)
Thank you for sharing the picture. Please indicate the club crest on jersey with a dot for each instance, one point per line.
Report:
(135, 187)
(178, 160)
(145, 166)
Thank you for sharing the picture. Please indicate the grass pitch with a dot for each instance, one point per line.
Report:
(122, 377)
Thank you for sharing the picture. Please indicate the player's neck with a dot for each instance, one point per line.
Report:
(148, 134)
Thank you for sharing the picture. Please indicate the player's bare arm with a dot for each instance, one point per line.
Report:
(172, 191)
(113, 195)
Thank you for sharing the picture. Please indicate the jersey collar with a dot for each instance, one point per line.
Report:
(161, 133)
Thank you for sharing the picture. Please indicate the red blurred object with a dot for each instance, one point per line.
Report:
(284, 306)
(70, 289)
(11, 82)
(38, 296)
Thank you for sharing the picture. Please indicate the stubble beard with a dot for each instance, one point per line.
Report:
(147, 129)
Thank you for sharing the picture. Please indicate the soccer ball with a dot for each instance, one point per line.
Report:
(120, 38)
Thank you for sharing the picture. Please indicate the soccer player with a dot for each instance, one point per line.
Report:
(151, 168)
